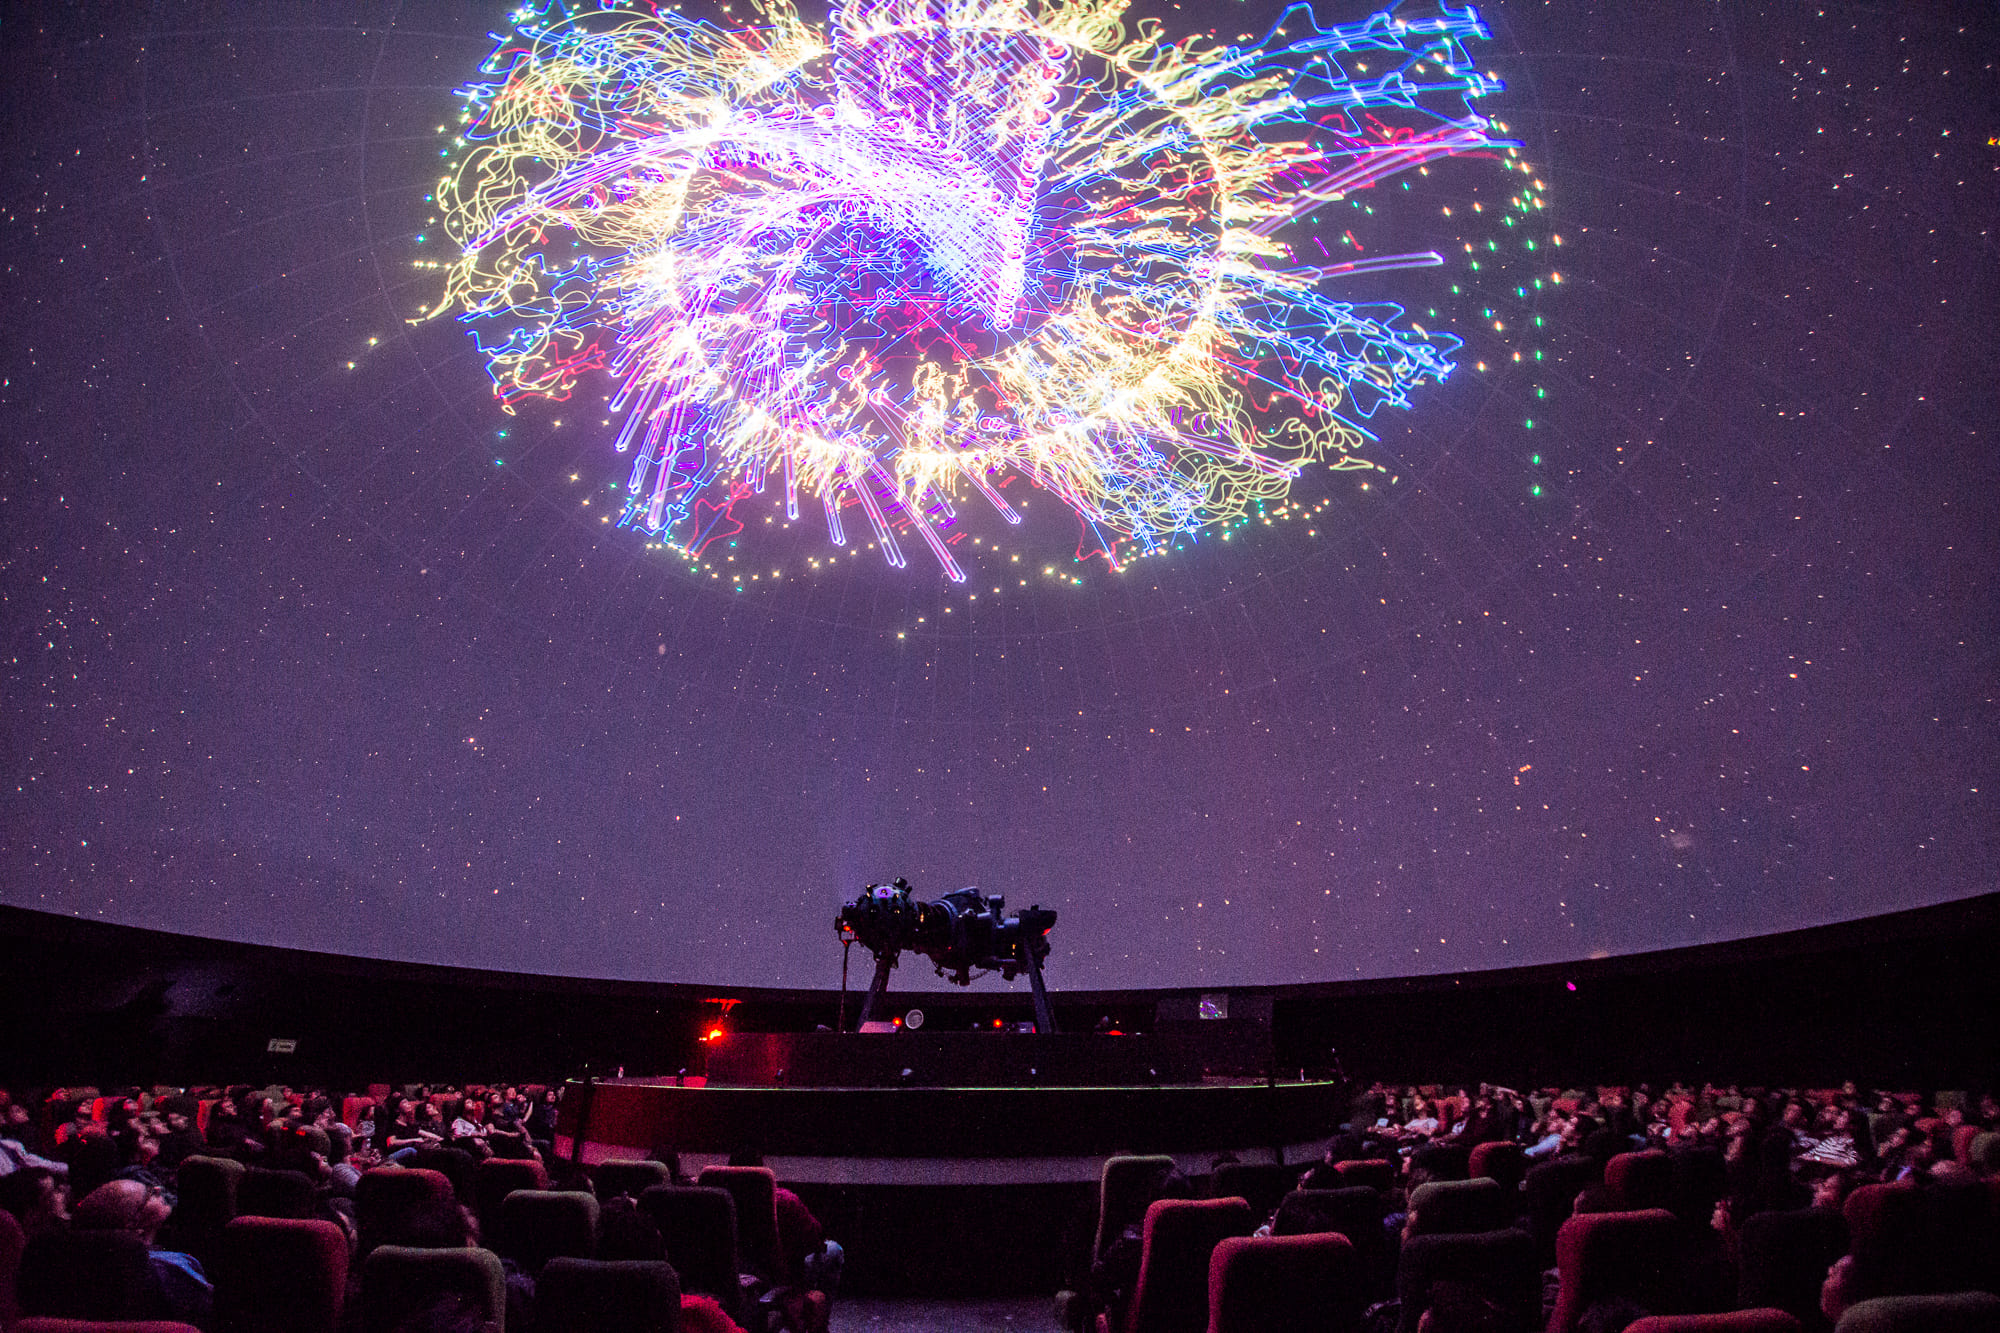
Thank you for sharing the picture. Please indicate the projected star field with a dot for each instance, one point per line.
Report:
(1579, 539)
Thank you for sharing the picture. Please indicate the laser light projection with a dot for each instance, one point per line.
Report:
(899, 263)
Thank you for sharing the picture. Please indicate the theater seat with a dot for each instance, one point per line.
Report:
(755, 1189)
(1958, 1312)
(1908, 1240)
(1261, 1284)
(1782, 1259)
(634, 1178)
(12, 1241)
(102, 1326)
(399, 1282)
(206, 1187)
(539, 1225)
(1640, 1180)
(1442, 1161)
(1636, 1255)
(388, 1194)
(1376, 1172)
(89, 1275)
(1263, 1184)
(1500, 1265)
(1355, 1213)
(262, 1193)
(1502, 1161)
(587, 1296)
(1736, 1321)
(288, 1273)
(497, 1177)
(1171, 1295)
(698, 1224)
(1125, 1188)
(1459, 1206)
(454, 1164)
(1551, 1189)
(1700, 1179)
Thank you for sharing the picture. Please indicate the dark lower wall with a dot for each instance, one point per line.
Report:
(1907, 1000)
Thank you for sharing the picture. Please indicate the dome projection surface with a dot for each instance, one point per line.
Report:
(1307, 494)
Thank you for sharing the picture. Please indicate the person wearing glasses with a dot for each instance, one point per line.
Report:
(139, 1210)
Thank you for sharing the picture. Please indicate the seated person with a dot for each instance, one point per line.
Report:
(38, 1199)
(139, 1210)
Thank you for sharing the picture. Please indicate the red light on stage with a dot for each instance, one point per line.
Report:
(996, 1022)
(712, 1034)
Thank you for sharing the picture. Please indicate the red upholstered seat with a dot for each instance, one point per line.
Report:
(388, 1194)
(1782, 1258)
(288, 1273)
(1550, 1197)
(1356, 1213)
(1171, 1295)
(1636, 1255)
(497, 1177)
(1258, 1284)
(12, 1241)
(103, 1325)
(1736, 1321)
(1640, 1179)
(1501, 1161)
(1872, 1209)
(1374, 1171)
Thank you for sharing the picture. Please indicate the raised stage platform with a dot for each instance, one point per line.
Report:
(915, 1176)
(959, 1106)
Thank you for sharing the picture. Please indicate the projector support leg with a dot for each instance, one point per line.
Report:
(1045, 1017)
(877, 988)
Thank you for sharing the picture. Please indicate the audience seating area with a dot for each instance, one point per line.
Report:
(1588, 1211)
(1431, 1211)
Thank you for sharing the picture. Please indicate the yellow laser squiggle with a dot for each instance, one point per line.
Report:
(893, 261)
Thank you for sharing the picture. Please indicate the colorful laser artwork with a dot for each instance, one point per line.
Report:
(893, 264)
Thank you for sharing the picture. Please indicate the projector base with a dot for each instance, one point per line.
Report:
(929, 1059)
(999, 1135)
